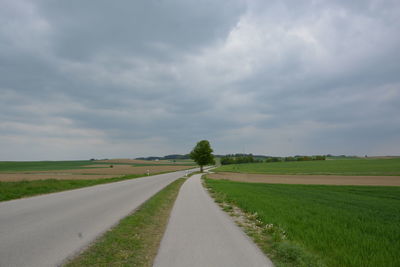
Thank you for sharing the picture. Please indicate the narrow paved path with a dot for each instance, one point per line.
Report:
(45, 230)
(199, 233)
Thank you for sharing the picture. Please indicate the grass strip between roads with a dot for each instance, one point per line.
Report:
(20, 189)
(135, 240)
(317, 225)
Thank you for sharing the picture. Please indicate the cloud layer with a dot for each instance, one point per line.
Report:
(98, 79)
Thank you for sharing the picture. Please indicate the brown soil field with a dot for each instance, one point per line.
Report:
(308, 179)
(137, 161)
(122, 170)
(119, 166)
(90, 173)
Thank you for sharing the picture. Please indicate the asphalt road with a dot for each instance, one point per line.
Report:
(45, 230)
(199, 233)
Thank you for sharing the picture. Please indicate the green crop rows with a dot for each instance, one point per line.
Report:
(341, 225)
(334, 167)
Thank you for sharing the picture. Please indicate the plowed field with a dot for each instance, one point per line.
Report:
(92, 172)
(308, 179)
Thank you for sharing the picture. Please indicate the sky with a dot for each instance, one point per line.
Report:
(123, 79)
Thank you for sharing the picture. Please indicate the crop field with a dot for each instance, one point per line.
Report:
(20, 166)
(375, 167)
(137, 162)
(307, 179)
(82, 170)
(340, 225)
(22, 179)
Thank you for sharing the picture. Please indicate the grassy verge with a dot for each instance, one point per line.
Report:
(14, 190)
(135, 240)
(334, 167)
(306, 225)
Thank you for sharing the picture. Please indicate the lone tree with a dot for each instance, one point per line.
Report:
(201, 153)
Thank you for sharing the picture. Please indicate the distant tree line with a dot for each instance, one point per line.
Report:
(295, 158)
(249, 158)
(238, 159)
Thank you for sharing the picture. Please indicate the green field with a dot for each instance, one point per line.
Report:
(14, 190)
(340, 225)
(19, 189)
(14, 166)
(334, 167)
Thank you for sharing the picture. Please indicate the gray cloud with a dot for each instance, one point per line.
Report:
(99, 79)
(154, 28)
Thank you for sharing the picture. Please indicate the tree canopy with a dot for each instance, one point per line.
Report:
(202, 154)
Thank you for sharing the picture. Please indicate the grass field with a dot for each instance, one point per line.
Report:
(135, 240)
(336, 167)
(83, 170)
(14, 190)
(15, 166)
(29, 178)
(340, 225)
(19, 166)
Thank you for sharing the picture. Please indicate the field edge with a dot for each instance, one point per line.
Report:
(271, 239)
(297, 213)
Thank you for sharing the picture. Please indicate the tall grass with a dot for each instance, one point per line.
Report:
(342, 225)
(334, 167)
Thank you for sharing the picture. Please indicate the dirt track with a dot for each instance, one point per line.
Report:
(308, 179)
(100, 171)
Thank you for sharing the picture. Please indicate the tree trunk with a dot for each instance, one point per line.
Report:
(201, 168)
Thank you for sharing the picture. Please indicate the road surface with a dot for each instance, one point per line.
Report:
(45, 230)
(199, 233)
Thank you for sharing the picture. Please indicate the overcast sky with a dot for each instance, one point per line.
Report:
(105, 79)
